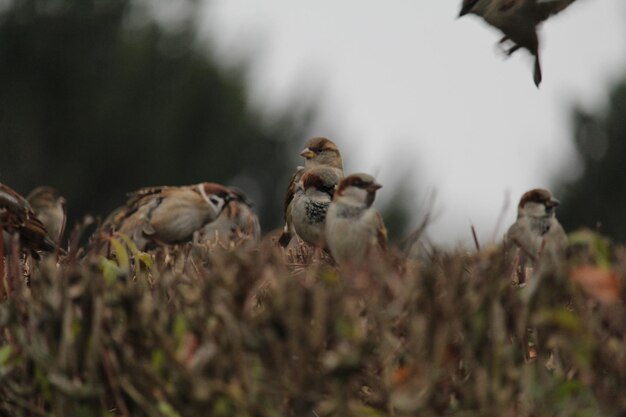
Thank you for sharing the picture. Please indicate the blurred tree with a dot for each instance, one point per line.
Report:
(98, 98)
(597, 198)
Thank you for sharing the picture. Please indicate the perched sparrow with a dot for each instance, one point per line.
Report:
(318, 151)
(237, 223)
(517, 20)
(353, 227)
(313, 194)
(168, 214)
(536, 232)
(49, 207)
(16, 216)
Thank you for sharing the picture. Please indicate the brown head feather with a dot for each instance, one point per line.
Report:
(537, 195)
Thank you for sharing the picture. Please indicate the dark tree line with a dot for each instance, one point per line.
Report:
(97, 99)
(597, 198)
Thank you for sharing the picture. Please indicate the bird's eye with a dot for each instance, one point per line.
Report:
(215, 200)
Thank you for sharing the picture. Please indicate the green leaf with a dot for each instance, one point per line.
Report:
(129, 243)
(146, 259)
(158, 360)
(110, 271)
(132, 249)
(180, 327)
(5, 353)
(121, 254)
(167, 410)
(561, 317)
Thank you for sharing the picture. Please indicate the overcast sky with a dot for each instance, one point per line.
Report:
(407, 89)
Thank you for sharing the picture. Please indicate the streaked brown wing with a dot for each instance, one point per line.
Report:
(291, 189)
(381, 232)
(136, 196)
(34, 235)
(115, 219)
(17, 216)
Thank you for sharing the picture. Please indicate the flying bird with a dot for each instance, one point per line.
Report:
(518, 21)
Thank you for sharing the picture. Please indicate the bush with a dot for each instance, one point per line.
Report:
(189, 331)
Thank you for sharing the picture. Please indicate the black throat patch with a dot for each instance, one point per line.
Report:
(316, 211)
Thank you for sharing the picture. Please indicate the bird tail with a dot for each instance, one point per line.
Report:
(537, 76)
(284, 239)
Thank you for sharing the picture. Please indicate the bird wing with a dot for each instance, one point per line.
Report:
(291, 189)
(285, 236)
(381, 232)
(16, 215)
(135, 197)
(546, 8)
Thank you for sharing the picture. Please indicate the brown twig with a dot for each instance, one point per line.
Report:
(475, 238)
(113, 383)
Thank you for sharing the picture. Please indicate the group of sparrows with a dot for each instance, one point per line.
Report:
(323, 208)
(518, 21)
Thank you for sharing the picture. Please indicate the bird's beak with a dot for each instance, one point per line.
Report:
(230, 197)
(307, 153)
(465, 9)
(374, 186)
(553, 203)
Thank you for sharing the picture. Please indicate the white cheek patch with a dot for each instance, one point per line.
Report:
(217, 203)
(355, 194)
(535, 209)
(212, 200)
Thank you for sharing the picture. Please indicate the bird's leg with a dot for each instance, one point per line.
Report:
(512, 49)
(505, 49)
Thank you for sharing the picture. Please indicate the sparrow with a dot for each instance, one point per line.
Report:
(353, 227)
(536, 232)
(518, 21)
(237, 223)
(49, 207)
(18, 217)
(168, 214)
(318, 151)
(313, 194)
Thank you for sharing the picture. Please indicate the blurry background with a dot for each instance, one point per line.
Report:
(100, 97)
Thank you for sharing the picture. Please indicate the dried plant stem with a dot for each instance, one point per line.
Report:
(476, 243)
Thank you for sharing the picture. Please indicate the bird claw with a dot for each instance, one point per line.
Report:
(506, 46)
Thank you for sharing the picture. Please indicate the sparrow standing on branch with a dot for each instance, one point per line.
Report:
(318, 151)
(49, 207)
(168, 215)
(17, 217)
(354, 229)
(237, 223)
(536, 232)
(518, 21)
(313, 194)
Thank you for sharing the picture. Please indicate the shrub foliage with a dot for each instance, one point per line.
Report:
(193, 331)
